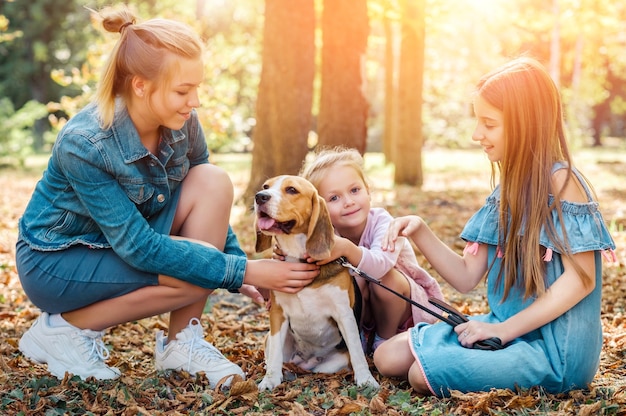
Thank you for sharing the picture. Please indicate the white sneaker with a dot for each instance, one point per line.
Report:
(66, 348)
(190, 352)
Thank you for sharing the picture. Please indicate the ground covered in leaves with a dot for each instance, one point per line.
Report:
(455, 186)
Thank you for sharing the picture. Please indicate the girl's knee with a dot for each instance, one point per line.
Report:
(394, 279)
(382, 361)
(393, 357)
(417, 381)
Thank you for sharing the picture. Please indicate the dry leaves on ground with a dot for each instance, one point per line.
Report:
(237, 327)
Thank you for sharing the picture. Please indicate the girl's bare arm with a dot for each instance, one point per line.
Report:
(461, 272)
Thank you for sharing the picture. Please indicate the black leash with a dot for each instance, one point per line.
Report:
(453, 317)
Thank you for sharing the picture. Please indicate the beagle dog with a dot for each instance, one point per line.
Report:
(315, 328)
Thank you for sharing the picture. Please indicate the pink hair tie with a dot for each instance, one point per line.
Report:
(471, 248)
(548, 255)
(609, 255)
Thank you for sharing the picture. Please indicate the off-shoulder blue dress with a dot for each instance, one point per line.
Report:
(559, 356)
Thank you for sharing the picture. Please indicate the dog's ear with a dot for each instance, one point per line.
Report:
(263, 241)
(319, 241)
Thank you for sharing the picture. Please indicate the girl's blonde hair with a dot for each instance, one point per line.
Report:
(534, 140)
(326, 158)
(148, 50)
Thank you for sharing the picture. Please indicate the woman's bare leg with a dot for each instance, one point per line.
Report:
(142, 303)
(203, 213)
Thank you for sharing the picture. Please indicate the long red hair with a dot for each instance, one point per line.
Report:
(534, 140)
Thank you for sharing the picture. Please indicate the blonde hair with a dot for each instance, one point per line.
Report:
(147, 50)
(534, 140)
(326, 158)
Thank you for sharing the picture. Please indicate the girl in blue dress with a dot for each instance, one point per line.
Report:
(539, 240)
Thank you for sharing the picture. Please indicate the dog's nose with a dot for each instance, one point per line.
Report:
(261, 197)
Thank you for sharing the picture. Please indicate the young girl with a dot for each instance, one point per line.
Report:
(539, 239)
(338, 174)
(130, 220)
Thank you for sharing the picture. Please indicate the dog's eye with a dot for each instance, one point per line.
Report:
(291, 190)
(266, 186)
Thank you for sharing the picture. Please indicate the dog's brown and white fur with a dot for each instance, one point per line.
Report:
(307, 327)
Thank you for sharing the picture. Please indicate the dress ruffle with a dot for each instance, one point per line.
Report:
(586, 230)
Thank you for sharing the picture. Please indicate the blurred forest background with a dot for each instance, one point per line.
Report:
(282, 76)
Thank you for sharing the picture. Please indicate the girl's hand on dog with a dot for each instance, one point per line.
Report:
(277, 253)
(342, 247)
(280, 275)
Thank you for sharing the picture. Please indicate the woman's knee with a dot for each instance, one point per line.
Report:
(210, 179)
(205, 202)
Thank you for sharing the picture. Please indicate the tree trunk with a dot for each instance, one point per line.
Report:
(409, 139)
(343, 109)
(283, 108)
(389, 128)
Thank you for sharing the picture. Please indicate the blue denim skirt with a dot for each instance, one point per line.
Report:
(69, 279)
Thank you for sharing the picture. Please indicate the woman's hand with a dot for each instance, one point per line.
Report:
(280, 275)
(401, 227)
(253, 293)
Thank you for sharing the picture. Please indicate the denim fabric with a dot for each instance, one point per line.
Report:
(64, 280)
(559, 356)
(583, 222)
(102, 186)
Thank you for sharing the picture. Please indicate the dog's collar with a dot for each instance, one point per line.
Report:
(295, 259)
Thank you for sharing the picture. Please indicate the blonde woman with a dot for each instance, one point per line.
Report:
(130, 220)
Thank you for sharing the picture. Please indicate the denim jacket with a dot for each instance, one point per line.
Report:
(100, 188)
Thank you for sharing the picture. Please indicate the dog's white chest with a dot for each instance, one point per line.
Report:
(313, 313)
(324, 301)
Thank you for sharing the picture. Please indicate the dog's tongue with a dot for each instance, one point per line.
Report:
(265, 223)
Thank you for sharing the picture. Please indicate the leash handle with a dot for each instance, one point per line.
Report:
(453, 317)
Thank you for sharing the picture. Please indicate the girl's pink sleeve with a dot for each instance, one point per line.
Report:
(374, 261)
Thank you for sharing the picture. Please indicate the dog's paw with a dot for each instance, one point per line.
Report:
(268, 383)
(368, 381)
